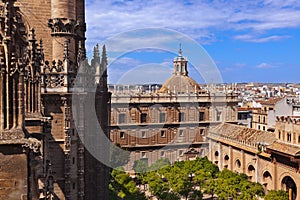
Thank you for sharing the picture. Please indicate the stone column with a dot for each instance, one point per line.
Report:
(257, 178)
(2, 101)
(275, 178)
(220, 156)
(20, 96)
(230, 159)
(243, 161)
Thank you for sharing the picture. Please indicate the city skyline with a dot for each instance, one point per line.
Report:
(249, 42)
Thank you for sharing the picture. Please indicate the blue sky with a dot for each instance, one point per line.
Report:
(249, 41)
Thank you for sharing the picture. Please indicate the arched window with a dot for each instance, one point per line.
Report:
(216, 157)
(279, 134)
(251, 169)
(226, 158)
(216, 154)
(238, 163)
(289, 185)
(267, 176)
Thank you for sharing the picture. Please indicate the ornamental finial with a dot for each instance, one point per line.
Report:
(180, 50)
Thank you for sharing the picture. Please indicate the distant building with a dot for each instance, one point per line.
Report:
(288, 130)
(245, 117)
(265, 117)
(168, 122)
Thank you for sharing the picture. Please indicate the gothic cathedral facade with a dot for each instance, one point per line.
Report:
(42, 44)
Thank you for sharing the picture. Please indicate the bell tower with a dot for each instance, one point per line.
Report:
(65, 151)
(180, 64)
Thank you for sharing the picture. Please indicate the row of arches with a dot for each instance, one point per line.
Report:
(287, 183)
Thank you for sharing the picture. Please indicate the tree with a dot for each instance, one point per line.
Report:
(118, 156)
(251, 190)
(196, 195)
(170, 196)
(156, 185)
(160, 163)
(181, 178)
(140, 167)
(123, 187)
(210, 186)
(230, 184)
(276, 195)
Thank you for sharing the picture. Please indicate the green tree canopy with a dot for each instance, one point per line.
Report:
(123, 187)
(118, 156)
(277, 195)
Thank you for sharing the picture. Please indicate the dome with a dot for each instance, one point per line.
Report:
(179, 84)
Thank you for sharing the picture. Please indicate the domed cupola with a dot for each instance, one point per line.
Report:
(180, 82)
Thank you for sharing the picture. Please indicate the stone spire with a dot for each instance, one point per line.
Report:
(96, 57)
(104, 62)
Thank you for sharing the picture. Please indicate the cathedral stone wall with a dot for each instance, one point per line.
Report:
(36, 15)
(13, 173)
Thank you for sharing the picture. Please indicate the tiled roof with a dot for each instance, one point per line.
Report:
(247, 139)
(285, 148)
(244, 133)
(271, 101)
(247, 109)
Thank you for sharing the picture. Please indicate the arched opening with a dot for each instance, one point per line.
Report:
(216, 157)
(251, 172)
(267, 176)
(289, 185)
(238, 163)
(267, 181)
(226, 159)
(251, 169)
(216, 154)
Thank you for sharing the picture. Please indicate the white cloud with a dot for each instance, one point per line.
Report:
(123, 61)
(126, 70)
(265, 66)
(198, 19)
(236, 66)
(253, 38)
(141, 74)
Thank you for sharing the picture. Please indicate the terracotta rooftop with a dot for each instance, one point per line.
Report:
(247, 139)
(285, 148)
(247, 109)
(241, 133)
(271, 101)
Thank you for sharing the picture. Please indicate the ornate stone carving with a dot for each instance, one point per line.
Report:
(32, 144)
(54, 80)
(62, 25)
(54, 68)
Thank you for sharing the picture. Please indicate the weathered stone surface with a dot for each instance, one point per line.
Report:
(13, 172)
(40, 151)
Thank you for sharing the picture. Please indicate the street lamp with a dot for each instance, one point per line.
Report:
(191, 176)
